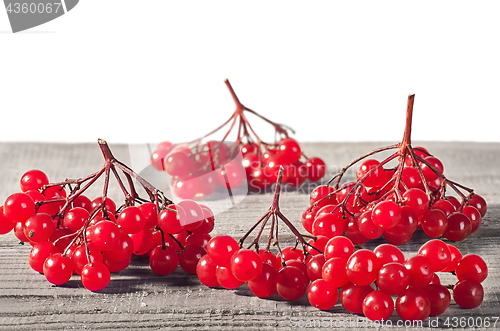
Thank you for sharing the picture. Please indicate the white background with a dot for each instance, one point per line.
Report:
(146, 71)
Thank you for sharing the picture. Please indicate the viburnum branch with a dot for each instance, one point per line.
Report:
(422, 175)
(275, 213)
(409, 116)
(342, 172)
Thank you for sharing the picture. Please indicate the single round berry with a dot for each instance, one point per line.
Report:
(468, 293)
(387, 253)
(39, 227)
(386, 214)
(131, 220)
(393, 278)
(334, 272)
(362, 267)
(163, 261)
(221, 249)
(316, 169)
(292, 283)
(205, 270)
(264, 285)
(290, 149)
(95, 276)
(322, 294)
(438, 253)
(33, 180)
(352, 297)
(246, 265)
(472, 266)
(420, 270)
(378, 306)
(18, 207)
(188, 259)
(413, 305)
(57, 269)
(75, 218)
(439, 297)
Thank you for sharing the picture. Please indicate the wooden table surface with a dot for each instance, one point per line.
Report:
(136, 298)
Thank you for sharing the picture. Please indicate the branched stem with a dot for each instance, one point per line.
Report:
(275, 214)
(111, 164)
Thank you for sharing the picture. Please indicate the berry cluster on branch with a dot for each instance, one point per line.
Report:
(72, 234)
(394, 201)
(199, 167)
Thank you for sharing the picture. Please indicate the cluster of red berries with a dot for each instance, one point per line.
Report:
(413, 281)
(193, 177)
(351, 275)
(394, 202)
(265, 273)
(197, 168)
(71, 234)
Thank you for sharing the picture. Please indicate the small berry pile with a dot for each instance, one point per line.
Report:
(395, 201)
(229, 265)
(369, 279)
(198, 168)
(71, 234)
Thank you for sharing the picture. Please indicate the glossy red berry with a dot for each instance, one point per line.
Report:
(131, 220)
(352, 297)
(413, 305)
(439, 297)
(39, 252)
(479, 203)
(75, 218)
(459, 227)
(387, 253)
(393, 278)
(290, 150)
(105, 235)
(188, 259)
(316, 169)
(362, 267)
(322, 294)
(468, 293)
(226, 278)
(434, 223)
(246, 265)
(39, 227)
(471, 266)
(438, 253)
(292, 283)
(378, 306)
(264, 285)
(420, 269)
(334, 272)
(163, 261)
(386, 214)
(57, 269)
(95, 276)
(206, 271)
(221, 249)
(18, 207)
(33, 180)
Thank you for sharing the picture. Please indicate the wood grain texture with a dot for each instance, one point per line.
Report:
(136, 298)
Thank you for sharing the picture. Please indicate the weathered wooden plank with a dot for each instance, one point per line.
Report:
(136, 298)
